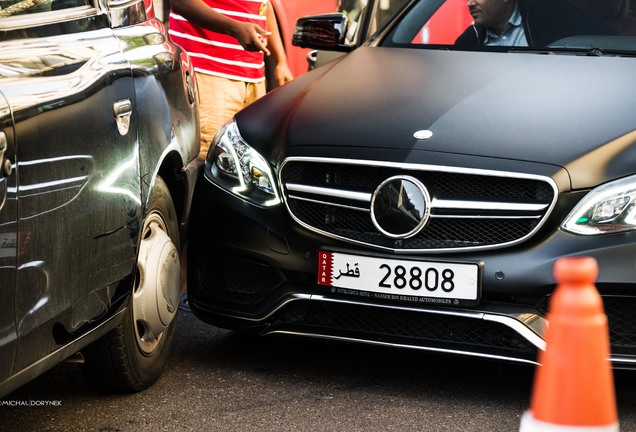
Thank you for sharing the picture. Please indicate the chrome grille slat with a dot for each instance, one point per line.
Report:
(352, 195)
(448, 216)
(482, 205)
(471, 209)
(365, 209)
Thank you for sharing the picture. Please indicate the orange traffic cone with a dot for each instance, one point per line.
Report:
(574, 385)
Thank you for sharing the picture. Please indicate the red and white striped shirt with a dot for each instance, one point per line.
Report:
(220, 54)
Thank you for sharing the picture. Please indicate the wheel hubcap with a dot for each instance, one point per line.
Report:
(156, 295)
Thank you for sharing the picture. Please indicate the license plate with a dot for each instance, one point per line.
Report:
(429, 282)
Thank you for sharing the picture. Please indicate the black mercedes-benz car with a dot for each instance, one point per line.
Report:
(417, 191)
(99, 137)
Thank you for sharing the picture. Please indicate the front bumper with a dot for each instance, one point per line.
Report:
(255, 269)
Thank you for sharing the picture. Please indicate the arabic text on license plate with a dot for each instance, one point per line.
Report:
(410, 280)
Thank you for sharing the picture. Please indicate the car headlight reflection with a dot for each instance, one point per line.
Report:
(607, 209)
(238, 168)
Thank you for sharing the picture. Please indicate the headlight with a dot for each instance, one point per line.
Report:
(238, 168)
(607, 209)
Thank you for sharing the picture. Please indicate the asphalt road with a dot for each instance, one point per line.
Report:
(221, 381)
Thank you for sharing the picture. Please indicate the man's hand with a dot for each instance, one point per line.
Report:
(283, 74)
(251, 36)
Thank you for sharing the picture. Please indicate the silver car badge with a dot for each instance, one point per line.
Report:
(423, 134)
(400, 207)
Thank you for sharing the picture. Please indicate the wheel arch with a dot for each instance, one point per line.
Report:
(181, 180)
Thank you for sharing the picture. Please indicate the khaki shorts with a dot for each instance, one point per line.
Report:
(221, 98)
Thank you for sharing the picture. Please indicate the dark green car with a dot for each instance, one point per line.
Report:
(98, 144)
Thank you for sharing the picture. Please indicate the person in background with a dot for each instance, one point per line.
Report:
(534, 23)
(500, 21)
(227, 41)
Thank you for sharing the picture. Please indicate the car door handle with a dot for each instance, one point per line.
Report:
(122, 110)
(5, 164)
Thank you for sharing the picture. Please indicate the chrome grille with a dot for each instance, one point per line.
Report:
(470, 208)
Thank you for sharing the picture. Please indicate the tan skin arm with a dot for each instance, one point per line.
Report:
(251, 36)
(282, 73)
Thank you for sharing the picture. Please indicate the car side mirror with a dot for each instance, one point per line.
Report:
(323, 32)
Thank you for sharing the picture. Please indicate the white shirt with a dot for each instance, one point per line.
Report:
(513, 34)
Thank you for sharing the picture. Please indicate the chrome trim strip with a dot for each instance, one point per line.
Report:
(618, 362)
(432, 216)
(419, 167)
(449, 216)
(485, 205)
(332, 204)
(519, 327)
(395, 345)
(628, 363)
(422, 167)
(338, 193)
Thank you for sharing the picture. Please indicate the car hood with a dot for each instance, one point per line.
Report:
(569, 111)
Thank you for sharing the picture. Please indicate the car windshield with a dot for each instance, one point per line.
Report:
(589, 26)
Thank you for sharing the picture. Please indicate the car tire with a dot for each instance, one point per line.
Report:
(133, 355)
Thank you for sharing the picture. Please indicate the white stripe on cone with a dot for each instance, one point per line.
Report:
(530, 424)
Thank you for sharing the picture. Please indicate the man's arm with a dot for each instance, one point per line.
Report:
(282, 73)
(251, 36)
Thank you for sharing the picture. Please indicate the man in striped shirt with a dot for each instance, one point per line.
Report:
(227, 41)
